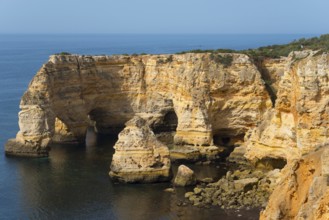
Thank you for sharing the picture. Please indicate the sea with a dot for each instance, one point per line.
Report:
(73, 182)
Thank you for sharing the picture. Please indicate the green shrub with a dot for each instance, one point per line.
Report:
(63, 53)
(163, 61)
(276, 51)
(225, 60)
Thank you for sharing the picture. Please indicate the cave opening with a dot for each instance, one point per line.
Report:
(227, 141)
(167, 124)
(108, 122)
(62, 133)
(220, 140)
(165, 128)
(271, 163)
(103, 129)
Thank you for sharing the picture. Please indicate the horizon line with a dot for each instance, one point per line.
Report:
(66, 33)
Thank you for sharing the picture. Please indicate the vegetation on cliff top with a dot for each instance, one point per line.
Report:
(63, 53)
(276, 51)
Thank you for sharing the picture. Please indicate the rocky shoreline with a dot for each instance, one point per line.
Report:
(192, 107)
(244, 187)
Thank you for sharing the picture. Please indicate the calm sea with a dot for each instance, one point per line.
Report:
(73, 182)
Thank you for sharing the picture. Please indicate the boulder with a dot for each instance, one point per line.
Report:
(245, 184)
(185, 176)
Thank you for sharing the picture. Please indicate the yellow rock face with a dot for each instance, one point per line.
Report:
(303, 190)
(139, 156)
(208, 98)
(299, 122)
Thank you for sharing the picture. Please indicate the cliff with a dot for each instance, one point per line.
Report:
(303, 191)
(204, 101)
(276, 110)
(298, 123)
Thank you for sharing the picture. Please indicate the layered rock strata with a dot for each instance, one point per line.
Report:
(214, 103)
(193, 103)
(139, 156)
(299, 122)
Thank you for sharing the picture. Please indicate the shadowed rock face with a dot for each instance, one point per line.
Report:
(71, 93)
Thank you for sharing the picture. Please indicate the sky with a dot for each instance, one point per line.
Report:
(165, 17)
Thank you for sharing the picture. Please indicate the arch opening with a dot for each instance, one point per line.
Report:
(271, 163)
(227, 141)
(165, 128)
(91, 137)
(222, 140)
(106, 122)
(62, 133)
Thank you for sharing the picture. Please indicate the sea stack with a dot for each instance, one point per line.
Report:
(139, 156)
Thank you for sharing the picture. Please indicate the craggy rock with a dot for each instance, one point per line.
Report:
(193, 98)
(277, 110)
(139, 156)
(245, 184)
(184, 177)
(299, 122)
(303, 192)
(238, 189)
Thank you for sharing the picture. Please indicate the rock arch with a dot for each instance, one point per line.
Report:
(108, 91)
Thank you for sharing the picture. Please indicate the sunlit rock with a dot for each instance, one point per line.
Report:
(139, 156)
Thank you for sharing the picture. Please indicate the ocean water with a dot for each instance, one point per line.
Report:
(73, 182)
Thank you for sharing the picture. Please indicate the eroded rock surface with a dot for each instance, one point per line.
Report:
(139, 156)
(277, 110)
(303, 191)
(242, 188)
(299, 122)
(202, 101)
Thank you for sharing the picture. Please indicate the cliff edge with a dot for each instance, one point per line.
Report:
(206, 102)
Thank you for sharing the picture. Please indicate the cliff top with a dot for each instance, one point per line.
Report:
(319, 44)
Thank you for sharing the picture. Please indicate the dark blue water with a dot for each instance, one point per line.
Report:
(73, 182)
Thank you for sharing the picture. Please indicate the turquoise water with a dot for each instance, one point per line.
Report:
(73, 182)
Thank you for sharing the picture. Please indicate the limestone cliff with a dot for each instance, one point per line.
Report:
(191, 101)
(213, 102)
(298, 123)
(303, 192)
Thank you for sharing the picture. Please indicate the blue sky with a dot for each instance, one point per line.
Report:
(170, 16)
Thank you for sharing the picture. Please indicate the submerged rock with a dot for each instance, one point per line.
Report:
(185, 176)
(16, 148)
(139, 156)
(170, 190)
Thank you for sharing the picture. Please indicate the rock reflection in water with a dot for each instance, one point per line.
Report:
(73, 183)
